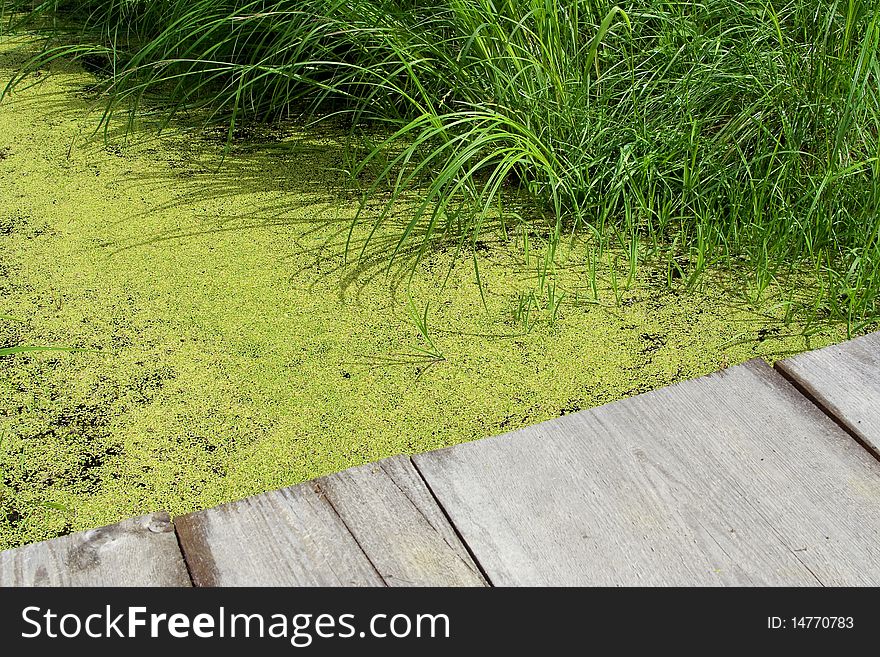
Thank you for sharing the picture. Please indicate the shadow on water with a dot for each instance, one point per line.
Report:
(300, 185)
(294, 180)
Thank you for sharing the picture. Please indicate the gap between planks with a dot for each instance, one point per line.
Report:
(455, 528)
(375, 524)
(804, 390)
(470, 552)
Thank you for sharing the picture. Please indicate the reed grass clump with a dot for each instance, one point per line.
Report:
(686, 136)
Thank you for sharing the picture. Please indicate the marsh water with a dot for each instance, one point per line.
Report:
(233, 349)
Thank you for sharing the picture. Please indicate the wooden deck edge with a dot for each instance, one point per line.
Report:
(181, 523)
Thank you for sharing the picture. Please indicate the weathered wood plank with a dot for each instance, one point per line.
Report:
(136, 552)
(288, 537)
(734, 478)
(397, 522)
(845, 381)
(367, 526)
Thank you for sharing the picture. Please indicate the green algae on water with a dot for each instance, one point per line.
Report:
(234, 349)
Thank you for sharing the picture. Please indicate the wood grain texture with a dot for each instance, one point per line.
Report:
(288, 537)
(731, 479)
(845, 381)
(368, 526)
(136, 552)
(397, 522)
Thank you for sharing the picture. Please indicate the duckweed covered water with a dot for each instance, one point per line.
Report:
(235, 352)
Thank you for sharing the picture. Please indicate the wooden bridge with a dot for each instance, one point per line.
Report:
(750, 476)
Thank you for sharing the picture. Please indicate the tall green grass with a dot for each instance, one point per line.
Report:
(687, 136)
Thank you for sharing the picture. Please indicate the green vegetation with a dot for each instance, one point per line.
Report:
(688, 136)
(323, 232)
(233, 351)
(22, 349)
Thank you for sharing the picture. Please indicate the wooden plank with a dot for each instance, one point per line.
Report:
(844, 380)
(368, 526)
(288, 537)
(136, 552)
(397, 522)
(731, 479)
